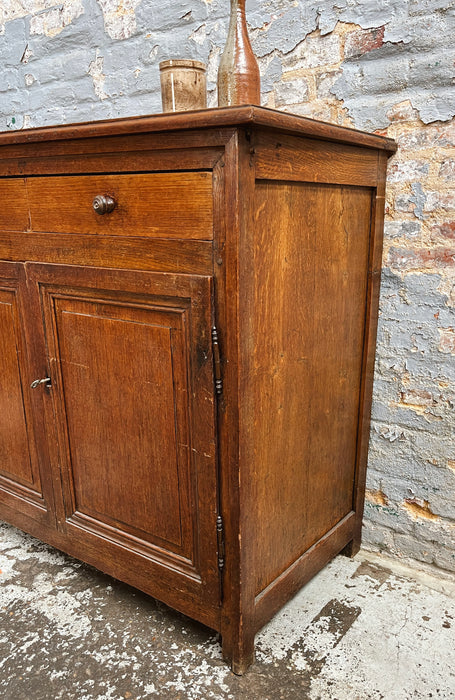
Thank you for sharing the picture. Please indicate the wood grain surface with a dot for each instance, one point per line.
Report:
(162, 205)
(109, 403)
(24, 486)
(132, 253)
(14, 212)
(284, 157)
(307, 325)
(14, 448)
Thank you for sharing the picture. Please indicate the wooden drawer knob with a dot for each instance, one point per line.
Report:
(103, 204)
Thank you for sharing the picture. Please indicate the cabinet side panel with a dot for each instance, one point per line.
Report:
(307, 321)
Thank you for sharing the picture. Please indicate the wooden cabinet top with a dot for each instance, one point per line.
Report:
(243, 116)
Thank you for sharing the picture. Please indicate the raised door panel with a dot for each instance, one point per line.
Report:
(130, 356)
(124, 385)
(20, 482)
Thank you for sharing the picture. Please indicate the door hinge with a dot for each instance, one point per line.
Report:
(217, 362)
(220, 541)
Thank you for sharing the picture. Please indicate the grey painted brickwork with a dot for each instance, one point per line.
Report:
(379, 65)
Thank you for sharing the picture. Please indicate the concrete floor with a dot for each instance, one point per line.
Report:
(357, 631)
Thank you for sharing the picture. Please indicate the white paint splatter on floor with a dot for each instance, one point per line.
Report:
(355, 632)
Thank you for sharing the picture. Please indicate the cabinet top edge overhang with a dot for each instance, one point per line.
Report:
(241, 116)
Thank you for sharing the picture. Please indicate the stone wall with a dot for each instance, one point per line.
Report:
(381, 65)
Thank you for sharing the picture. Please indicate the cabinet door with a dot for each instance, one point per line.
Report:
(132, 377)
(22, 488)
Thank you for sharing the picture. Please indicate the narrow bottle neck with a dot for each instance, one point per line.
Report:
(238, 75)
(238, 10)
(238, 6)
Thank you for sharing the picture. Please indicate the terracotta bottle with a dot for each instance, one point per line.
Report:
(239, 80)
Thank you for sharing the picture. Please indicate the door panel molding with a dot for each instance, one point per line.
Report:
(105, 329)
(22, 443)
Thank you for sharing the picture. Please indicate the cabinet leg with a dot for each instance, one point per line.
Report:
(239, 653)
(351, 549)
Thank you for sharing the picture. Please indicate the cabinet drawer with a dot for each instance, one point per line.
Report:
(162, 205)
(13, 205)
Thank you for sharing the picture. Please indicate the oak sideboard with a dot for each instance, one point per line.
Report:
(188, 311)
